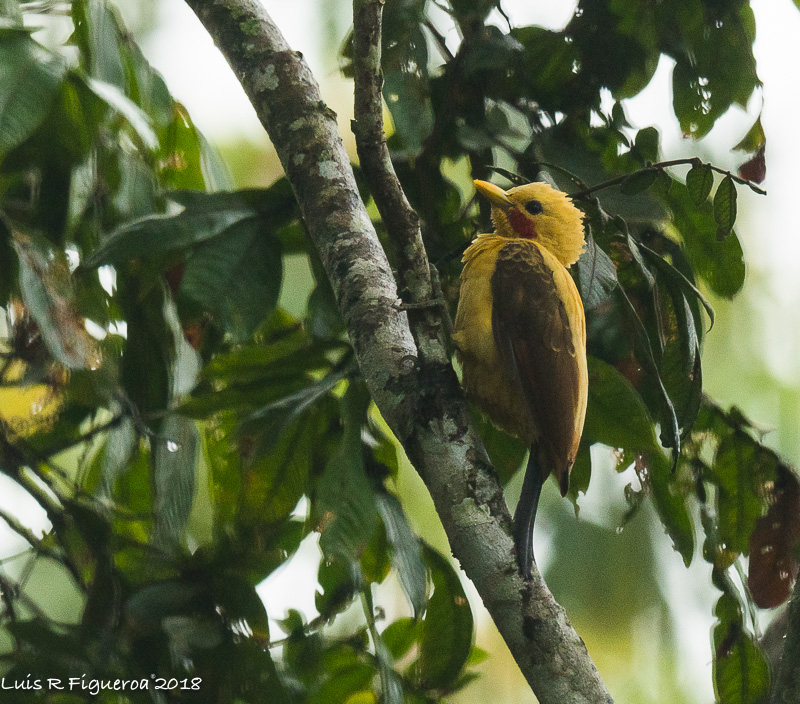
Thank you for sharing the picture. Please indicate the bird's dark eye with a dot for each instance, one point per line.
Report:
(534, 207)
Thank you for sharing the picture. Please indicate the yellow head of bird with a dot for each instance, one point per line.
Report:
(539, 212)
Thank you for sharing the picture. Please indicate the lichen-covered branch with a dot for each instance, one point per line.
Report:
(786, 687)
(399, 217)
(417, 393)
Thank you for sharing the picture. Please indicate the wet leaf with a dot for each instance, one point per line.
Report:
(406, 554)
(725, 207)
(639, 181)
(699, 181)
(29, 84)
(741, 470)
(597, 275)
(158, 234)
(47, 292)
(236, 277)
(345, 501)
(740, 672)
(447, 630)
(616, 414)
(174, 478)
(719, 263)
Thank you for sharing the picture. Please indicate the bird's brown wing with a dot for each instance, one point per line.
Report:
(533, 333)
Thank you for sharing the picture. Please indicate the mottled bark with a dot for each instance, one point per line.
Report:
(412, 382)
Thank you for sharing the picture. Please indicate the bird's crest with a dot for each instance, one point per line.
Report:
(539, 212)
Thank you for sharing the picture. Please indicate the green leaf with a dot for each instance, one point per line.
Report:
(97, 33)
(681, 369)
(345, 499)
(400, 636)
(597, 275)
(715, 67)
(725, 207)
(46, 289)
(677, 278)
(343, 684)
(112, 96)
(636, 251)
(579, 475)
(616, 414)
(741, 470)
(276, 204)
(11, 16)
(181, 152)
(259, 380)
(117, 453)
(639, 181)
(670, 504)
(340, 582)
(680, 364)
(133, 489)
(755, 138)
(237, 278)
(406, 555)
(505, 451)
(281, 449)
(324, 320)
(240, 602)
(447, 630)
(719, 263)
(146, 366)
(215, 172)
(225, 471)
(29, 83)
(699, 181)
(407, 99)
(670, 431)
(647, 144)
(158, 234)
(374, 561)
(174, 478)
(740, 671)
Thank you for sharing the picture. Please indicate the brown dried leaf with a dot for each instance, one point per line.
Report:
(773, 543)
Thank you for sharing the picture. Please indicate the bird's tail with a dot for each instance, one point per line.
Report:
(525, 515)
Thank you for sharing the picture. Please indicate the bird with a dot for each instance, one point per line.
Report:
(520, 336)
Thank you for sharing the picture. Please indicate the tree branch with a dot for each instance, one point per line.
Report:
(399, 218)
(417, 394)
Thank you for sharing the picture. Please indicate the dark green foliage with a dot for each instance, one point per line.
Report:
(207, 417)
(741, 674)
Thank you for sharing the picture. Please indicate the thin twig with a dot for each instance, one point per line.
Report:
(23, 532)
(660, 166)
(399, 218)
(11, 591)
(313, 625)
(441, 44)
(15, 556)
(86, 437)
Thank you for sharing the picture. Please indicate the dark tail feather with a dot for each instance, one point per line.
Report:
(525, 515)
